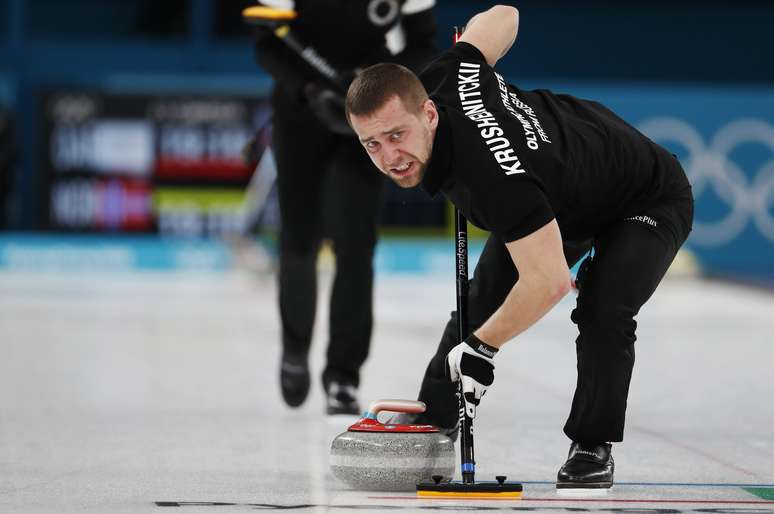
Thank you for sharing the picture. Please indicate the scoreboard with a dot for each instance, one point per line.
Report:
(167, 164)
(172, 165)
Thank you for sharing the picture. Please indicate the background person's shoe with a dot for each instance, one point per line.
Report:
(294, 378)
(341, 398)
(589, 467)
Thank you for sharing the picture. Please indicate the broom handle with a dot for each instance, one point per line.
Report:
(468, 462)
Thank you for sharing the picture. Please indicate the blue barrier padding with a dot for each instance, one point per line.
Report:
(28, 252)
(56, 252)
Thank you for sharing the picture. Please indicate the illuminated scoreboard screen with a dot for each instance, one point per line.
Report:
(137, 163)
(172, 165)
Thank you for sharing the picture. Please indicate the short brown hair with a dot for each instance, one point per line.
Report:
(377, 84)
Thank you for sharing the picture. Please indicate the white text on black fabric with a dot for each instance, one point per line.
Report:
(469, 88)
(510, 100)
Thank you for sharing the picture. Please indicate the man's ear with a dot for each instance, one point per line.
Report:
(430, 112)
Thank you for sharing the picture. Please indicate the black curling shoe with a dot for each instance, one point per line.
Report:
(294, 379)
(588, 466)
(341, 398)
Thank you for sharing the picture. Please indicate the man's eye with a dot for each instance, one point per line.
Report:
(372, 145)
(395, 136)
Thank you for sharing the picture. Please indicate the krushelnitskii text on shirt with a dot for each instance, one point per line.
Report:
(473, 106)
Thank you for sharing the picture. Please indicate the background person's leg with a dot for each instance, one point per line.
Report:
(301, 149)
(353, 207)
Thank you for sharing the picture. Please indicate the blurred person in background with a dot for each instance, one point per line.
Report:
(326, 184)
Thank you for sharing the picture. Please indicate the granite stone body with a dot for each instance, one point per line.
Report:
(391, 461)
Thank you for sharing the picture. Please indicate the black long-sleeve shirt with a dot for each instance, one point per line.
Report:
(349, 34)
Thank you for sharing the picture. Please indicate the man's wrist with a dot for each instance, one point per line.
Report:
(481, 347)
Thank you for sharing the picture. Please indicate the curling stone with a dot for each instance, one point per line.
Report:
(372, 455)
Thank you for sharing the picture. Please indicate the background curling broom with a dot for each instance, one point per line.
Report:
(278, 22)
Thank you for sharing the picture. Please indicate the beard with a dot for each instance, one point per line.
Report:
(415, 178)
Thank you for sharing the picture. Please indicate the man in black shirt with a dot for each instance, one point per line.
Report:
(549, 176)
(322, 180)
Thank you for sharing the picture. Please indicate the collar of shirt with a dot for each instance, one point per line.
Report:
(439, 167)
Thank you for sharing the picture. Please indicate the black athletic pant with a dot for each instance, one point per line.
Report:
(630, 259)
(327, 186)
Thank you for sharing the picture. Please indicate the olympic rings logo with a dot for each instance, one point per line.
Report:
(709, 168)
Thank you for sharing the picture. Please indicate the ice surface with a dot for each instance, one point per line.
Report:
(120, 391)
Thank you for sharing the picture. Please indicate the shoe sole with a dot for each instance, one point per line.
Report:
(590, 489)
(296, 398)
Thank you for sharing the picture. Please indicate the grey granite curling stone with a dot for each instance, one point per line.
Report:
(388, 457)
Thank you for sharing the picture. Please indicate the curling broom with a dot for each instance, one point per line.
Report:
(468, 487)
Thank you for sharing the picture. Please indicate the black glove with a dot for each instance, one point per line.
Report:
(328, 106)
(472, 362)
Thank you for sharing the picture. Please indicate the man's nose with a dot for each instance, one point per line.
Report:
(392, 155)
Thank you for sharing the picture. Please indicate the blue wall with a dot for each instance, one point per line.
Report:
(724, 137)
(694, 75)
